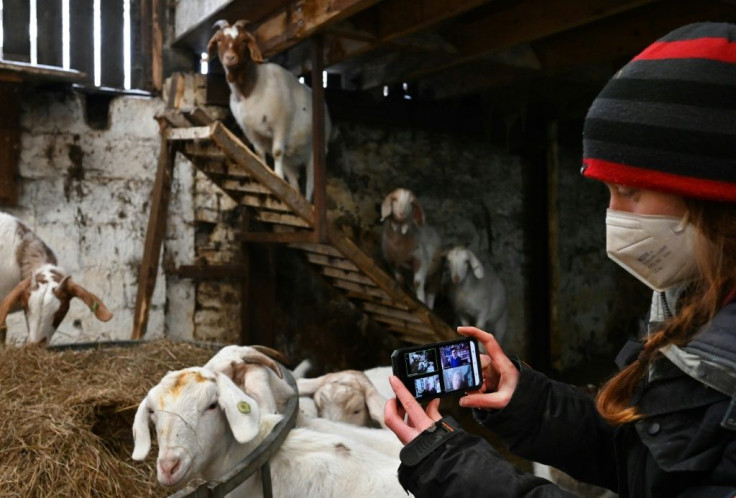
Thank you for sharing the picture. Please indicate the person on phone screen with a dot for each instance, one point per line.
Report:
(662, 136)
(455, 360)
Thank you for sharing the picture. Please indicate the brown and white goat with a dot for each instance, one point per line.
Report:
(269, 104)
(408, 242)
(30, 279)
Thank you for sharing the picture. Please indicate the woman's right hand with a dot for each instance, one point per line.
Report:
(500, 376)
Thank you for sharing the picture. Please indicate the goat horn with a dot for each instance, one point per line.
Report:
(242, 23)
(272, 353)
(221, 24)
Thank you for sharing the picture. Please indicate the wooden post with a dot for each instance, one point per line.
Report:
(318, 139)
(154, 234)
(245, 310)
(9, 139)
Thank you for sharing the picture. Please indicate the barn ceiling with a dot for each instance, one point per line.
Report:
(449, 48)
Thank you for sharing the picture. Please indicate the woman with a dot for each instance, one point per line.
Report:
(662, 136)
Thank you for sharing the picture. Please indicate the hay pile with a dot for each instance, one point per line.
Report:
(66, 418)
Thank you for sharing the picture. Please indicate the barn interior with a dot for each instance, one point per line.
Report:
(475, 106)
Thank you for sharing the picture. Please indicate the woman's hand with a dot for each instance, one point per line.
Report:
(500, 376)
(404, 404)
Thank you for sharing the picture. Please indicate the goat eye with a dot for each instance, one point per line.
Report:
(212, 406)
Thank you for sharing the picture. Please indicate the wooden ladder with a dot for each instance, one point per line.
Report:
(230, 164)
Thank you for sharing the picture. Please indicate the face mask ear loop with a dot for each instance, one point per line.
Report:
(683, 222)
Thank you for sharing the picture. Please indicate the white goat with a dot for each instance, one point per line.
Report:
(30, 279)
(408, 242)
(205, 425)
(273, 109)
(477, 294)
(347, 396)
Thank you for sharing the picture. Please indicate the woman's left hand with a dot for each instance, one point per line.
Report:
(397, 409)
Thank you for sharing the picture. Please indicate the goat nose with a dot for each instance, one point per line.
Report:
(230, 59)
(169, 465)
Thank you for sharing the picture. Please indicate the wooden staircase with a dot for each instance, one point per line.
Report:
(293, 221)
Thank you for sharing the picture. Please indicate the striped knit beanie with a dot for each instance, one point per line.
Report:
(667, 120)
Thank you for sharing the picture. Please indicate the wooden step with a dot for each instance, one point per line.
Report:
(333, 261)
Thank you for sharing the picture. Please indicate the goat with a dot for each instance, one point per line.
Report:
(269, 104)
(476, 292)
(30, 279)
(408, 242)
(205, 425)
(347, 396)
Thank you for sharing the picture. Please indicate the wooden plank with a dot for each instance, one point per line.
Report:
(10, 133)
(154, 236)
(278, 237)
(140, 44)
(259, 201)
(367, 290)
(403, 325)
(49, 33)
(81, 42)
(16, 23)
(203, 150)
(112, 73)
(197, 116)
(390, 312)
(340, 263)
(359, 296)
(281, 219)
(241, 154)
(347, 275)
(198, 133)
(244, 186)
(318, 249)
(22, 71)
(158, 18)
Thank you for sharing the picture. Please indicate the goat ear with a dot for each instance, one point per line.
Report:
(212, 47)
(11, 299)
(307, 387)
(374, 401)
(255, 52)
(386, 208)
(475, 264)
(242, 412)
(417, 213)
(93, 302)
(141, 434)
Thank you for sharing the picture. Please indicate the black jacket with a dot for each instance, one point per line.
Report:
(685, 446)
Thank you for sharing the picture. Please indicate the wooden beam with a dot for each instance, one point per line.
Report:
(319, 140)
(625, 35)
(522, 23)
(10, 99)
(154, 236)
(299, 19)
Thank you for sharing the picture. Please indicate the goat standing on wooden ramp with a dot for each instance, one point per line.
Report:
(30, 279)
(407, 242)
(476, 292)
(273, 109)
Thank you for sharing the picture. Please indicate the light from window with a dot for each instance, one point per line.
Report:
(65, 39)
(301, 79)
(204, 64)
(97, 37)
(126, 44)
(33, 33)
(385, 90)
(324, 79)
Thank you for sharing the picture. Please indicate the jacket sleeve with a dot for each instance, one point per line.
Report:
(447, 461)
(555, 424)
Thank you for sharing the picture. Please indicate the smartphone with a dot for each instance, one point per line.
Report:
(439, 369)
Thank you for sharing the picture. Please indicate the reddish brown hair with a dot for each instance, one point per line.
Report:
(715, 252)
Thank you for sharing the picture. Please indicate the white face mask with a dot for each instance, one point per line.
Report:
(658, 250)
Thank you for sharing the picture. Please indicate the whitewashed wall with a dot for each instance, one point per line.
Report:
(87, 194)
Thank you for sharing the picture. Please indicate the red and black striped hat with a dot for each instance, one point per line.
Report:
(667, 120)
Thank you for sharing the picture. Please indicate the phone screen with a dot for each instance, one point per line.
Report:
(439, 369)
